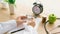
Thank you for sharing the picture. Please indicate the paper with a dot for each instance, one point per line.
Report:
(37, 22)
(27, 30)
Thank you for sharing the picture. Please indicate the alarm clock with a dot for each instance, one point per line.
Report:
(37, 8)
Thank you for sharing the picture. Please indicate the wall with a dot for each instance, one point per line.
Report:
(50, 6)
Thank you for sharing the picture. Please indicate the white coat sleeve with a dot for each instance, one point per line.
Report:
(7, 26)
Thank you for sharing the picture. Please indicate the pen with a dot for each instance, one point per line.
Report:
(17, 30)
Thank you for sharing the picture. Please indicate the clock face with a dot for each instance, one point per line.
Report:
(36, 10)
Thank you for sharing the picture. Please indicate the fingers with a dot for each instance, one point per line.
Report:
(32, 23)
(21, 20)
(22, 17)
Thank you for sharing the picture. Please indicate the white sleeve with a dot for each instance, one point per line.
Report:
(37, 22)
(7, 26)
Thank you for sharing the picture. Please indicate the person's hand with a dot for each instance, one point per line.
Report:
(31, 23)
(20, 20)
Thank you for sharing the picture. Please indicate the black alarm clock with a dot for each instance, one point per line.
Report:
(37, 8)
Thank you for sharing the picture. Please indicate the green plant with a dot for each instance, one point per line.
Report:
(10, 1)
(52, 18)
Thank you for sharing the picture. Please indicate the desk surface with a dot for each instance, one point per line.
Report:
(5, 16)
(49, 28)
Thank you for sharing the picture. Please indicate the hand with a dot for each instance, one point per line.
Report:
(31, 23)
(20, 20)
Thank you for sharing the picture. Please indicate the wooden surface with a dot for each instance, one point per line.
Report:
(4, 16)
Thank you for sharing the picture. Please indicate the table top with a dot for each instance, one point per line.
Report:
(5, 16)
(51, 28)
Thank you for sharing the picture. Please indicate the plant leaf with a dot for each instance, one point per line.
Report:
(5, 0)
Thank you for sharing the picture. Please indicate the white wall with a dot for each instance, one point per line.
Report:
(50, 6)
(24, 7)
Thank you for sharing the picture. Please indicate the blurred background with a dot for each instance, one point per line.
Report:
(24, 7)
(50, 6)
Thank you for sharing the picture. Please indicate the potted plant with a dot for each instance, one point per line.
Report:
(11, 6)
